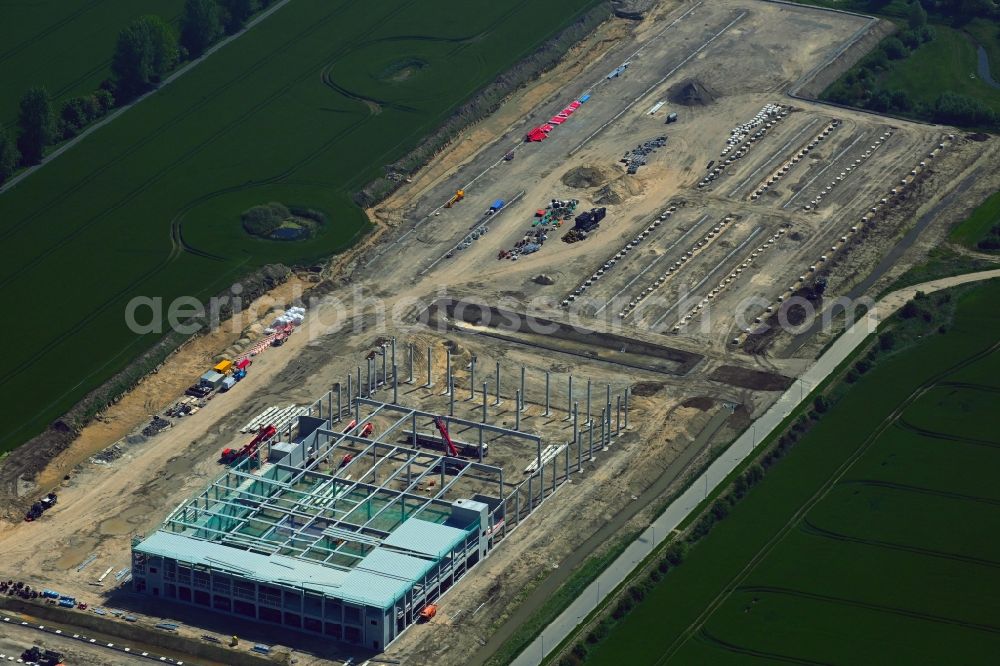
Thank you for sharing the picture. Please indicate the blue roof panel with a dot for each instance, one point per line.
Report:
(425, 538)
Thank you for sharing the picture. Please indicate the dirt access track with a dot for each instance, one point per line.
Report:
(694, 237)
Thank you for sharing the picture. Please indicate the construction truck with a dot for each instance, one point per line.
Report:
(233, 456)
(458, 196)
(40, 507)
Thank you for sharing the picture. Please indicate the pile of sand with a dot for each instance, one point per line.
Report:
(586, 176)
(691, 92)
(618, 191)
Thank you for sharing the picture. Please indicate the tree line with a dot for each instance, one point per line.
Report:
(146, 51)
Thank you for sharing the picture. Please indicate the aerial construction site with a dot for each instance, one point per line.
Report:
(474, 406)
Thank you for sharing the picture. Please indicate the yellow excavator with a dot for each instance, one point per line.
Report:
(459, 195)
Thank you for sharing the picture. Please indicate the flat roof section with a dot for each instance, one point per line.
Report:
(426, 538)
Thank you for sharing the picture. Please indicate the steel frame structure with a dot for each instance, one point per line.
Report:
(332, 517)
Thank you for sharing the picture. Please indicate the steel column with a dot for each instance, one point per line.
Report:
(430, 378)
(618, 418)
(472, 378)
(546, 393)
(409, 363)
(520, 399)
(497, 403)
(569, 400)
(626, 407)
(588, 401)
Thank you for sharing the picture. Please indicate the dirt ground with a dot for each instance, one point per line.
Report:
(735, 57)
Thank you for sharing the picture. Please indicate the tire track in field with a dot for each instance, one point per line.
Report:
(107, 302)
(511, 11)
(183, 115)
(177, 241)
(6, 55)
(921, 490)
(970, 385)
(933, 434)
(750, 652)
(821, 493)
(149, 182)
(811, 528)
(878, 608)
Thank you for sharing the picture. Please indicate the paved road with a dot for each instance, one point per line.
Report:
(166, 82)
(684, 505)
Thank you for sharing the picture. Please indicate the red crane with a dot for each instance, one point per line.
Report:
(443, 429)
(233, 455)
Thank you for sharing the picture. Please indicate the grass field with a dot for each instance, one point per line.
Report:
(947, 62)
(975, 227)
(303, 109)
(872, 542)
(65, 46)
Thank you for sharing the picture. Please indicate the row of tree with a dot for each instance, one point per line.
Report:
(146, 51)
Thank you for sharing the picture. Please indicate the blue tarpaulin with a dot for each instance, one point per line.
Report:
(497, 205)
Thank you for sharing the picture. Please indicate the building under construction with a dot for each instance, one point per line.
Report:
(350, 533)
(359, 514)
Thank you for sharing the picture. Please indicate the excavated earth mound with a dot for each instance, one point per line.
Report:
(691, 92)
(586, 176)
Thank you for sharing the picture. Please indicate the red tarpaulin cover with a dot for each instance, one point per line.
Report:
(546, 128)
(556, 120)
(574, 105)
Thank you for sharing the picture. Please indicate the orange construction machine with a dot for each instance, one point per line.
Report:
(232, 456)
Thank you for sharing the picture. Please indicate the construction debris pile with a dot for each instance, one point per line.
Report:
(546, 219)
(636, 157)
(156, 426)
(741, 140)
(110, 454)
(186, 406)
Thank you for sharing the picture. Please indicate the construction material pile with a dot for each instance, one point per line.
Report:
(546, 219)
(292, 316)
(156, 426)
(741, 140)
(110, 454)
(636, 157)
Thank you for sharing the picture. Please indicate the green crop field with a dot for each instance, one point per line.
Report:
(64, 45)
(873, 542)
(303, 109)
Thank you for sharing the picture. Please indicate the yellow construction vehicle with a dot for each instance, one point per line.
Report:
(459, 195)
